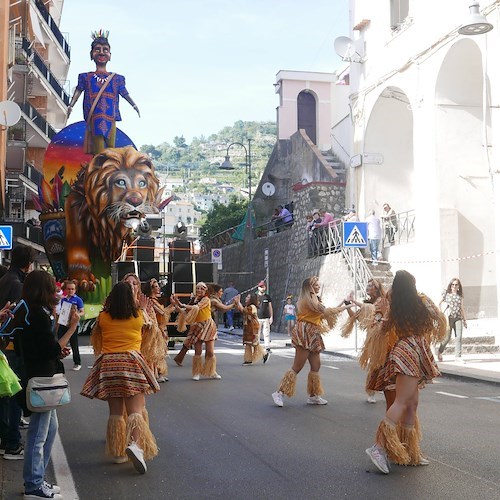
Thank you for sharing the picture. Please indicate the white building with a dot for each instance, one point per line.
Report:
(424, 105)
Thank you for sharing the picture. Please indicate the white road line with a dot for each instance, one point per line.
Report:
(452, 395)
(495, 399)
(64, 478)
(331, 367)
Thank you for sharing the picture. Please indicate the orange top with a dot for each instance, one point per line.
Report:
(205, 311)
(311, 317)
(121, 335)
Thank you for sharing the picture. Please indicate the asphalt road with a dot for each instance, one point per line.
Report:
(226, 439)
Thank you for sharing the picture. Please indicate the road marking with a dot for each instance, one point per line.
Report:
(331, 367)
(495, 399)
(64, 478)
(452, 395)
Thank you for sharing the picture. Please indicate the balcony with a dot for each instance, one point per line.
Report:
(46, 73)
(37, 119)
(53, 27)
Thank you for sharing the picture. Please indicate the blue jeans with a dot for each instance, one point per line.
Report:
(229, 317)
(374, 249)
(41, 434)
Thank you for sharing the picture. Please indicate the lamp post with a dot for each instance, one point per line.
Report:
(227, 165)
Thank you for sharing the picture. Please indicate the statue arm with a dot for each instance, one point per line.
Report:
(132, 103)
(75, 98)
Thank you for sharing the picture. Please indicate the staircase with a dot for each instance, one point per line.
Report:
(474, 345)
(336, 167)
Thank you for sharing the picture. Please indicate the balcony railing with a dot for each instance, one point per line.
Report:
(38, 119)
(398, 229)
(23, 229)
(39, 63)
(53, 27)
(32, 174)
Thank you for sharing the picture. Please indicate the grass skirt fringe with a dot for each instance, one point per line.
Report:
(115, 436)
(146, 441)
(209, 367)
(387, 436)
(197, 365)
(314, 387)
(247, 356)
(258, 353)
(375, 349)
(408, 435)
(288, 383)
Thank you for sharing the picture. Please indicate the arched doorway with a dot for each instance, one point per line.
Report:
(306, 114)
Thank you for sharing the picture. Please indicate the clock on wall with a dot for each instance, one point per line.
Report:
(268, 188)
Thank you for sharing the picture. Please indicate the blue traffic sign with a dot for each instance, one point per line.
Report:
(5, 237)
(355, 234)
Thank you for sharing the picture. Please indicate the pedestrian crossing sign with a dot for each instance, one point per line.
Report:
(355, 234)
(5, 237)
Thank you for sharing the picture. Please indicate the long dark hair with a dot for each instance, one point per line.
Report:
(408, 313)
(254, 300)
(39, 289)
(120, 303)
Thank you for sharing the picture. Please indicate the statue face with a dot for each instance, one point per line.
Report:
(101, 53)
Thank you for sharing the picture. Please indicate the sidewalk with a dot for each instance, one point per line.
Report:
(481, 366)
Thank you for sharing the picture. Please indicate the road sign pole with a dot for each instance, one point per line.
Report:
(353, 259)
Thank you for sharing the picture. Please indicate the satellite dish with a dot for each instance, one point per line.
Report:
(268, 188)
(10, 113)
(344, 47)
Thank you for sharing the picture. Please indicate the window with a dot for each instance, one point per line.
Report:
(399, 12)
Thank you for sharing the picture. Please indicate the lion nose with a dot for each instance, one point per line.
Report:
(135, 200)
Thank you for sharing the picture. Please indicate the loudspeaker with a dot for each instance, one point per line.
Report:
(120, 269)
(148, 270)
(183, 272)
(144, 249)
(182, 288)
(179, 251)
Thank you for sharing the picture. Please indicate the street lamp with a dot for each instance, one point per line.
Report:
(227, 165)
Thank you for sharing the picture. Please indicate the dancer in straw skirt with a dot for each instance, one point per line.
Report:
(202, 329)
(254, 351)
(416, 321)
(121, 377)
(313, 320)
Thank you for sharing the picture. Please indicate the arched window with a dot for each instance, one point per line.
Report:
(306, 114)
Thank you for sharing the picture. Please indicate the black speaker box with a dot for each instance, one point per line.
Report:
(120, 269)
(182, 288)
(183, 272)
(149, 270)
(179, 251)
(144, 249)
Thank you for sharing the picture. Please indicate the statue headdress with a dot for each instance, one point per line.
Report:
(100, 36)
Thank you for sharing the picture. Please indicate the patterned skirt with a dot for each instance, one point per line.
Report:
(119, 375)
(204, 331)
(412, 356)
(308, 336)
(377, 380)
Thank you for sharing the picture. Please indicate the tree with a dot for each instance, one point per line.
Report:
(222, 217)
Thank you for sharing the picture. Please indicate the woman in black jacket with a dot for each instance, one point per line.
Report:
(42, 355)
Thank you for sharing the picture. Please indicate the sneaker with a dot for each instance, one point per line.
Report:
(371, 399)
(278, 398)
(423, 461)
(136, 455)
(120, 460)
(216, 376)
(16, 454)
(162, 379)
(379, 458)
(196, 377)
(246, 363)
(53, 487)
(76, 367)
(43, 492)
(316, 400)
(231, 328)
(265, 357)
(23, 423)
(440, 357)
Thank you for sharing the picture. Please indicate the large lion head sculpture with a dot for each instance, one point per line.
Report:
(118, 183)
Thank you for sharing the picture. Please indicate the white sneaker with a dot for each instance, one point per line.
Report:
(216, 376)
(231, 328)
(120, 460)
(136, 455)
(379, 458)
(423, 461)
(196, 377)
(278, 398)
(371, 399)
(76, 367)
(316, 400)
(53, 487)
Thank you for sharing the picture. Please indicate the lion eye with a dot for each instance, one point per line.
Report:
(121, 183)
(142, 184)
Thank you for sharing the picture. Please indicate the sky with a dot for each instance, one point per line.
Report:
(196, 66)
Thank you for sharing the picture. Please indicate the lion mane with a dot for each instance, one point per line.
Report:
(117, 182)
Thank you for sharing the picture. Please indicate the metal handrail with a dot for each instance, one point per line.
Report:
(398, 228)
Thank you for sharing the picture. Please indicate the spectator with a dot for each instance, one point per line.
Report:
(72, 298)
(11, 289)
(290, 316)
(265, 314)
(309, 223)
(285, 218)
(374, 235)
(390, 220)
(351, 216)
(326, 218)
(227, 296)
